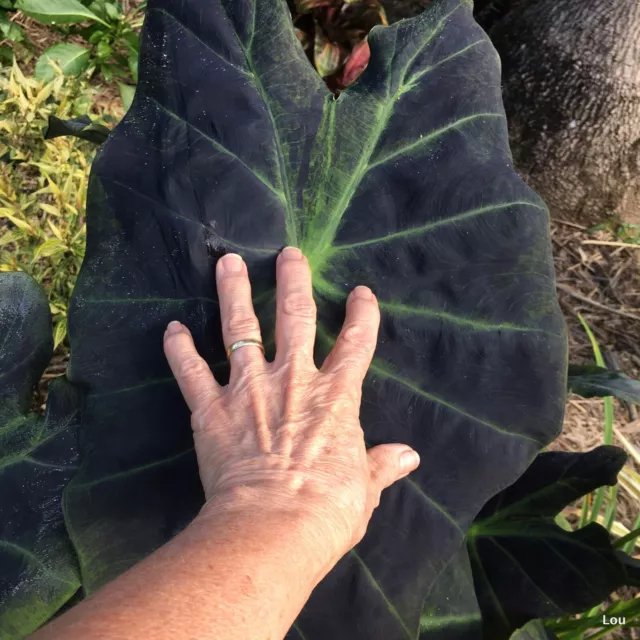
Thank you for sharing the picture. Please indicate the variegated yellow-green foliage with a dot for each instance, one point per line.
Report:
(43, 185)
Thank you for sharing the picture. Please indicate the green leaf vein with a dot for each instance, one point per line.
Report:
(219, 147)
(376, 586)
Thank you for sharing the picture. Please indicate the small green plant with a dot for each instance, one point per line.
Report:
(110, 34)
(10, 32)
(43, 185)
(628, 233)
(601, 505)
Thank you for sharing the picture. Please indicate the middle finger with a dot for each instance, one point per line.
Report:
(296, 309)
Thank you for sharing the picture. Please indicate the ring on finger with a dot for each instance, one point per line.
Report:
(244, 343)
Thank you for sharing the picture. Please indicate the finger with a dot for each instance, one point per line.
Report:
(194, 377)
(390, 462)
(354, 348)
(295, 307)
(239, 321)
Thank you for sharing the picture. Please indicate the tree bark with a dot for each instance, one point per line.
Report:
(571, 75)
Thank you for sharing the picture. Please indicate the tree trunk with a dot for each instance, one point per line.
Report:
(571, 75)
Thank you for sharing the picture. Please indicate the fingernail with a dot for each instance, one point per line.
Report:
(291, 253)
(231, 263)
(363, 292)
(173, 327)
(409, 460)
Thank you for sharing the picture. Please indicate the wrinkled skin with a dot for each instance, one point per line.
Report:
(284, 435)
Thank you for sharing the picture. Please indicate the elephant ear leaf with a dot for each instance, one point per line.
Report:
(525, 566)
(534, 630)
(404, 183)
(590, 381)
(37, 459)
(451, 610)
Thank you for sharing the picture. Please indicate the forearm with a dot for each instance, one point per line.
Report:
(228, 576)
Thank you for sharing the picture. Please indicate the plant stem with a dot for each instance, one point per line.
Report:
(627, 541)
(608, 420)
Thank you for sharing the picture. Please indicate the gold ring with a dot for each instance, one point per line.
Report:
(244, 343)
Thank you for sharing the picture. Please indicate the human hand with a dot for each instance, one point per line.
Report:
(283, 436)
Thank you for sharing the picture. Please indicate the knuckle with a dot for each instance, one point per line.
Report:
(240, 321)
(300, 305)
(193, 368)
(359, 335)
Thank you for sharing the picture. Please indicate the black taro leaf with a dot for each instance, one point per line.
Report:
(451, 610)
(82, 127)
(404, 183)
(590, 381)
(525, 566)
(38, 569)
(534, 630)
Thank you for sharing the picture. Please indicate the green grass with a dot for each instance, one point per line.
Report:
(601, 507)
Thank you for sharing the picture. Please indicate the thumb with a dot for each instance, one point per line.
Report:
(390, 462)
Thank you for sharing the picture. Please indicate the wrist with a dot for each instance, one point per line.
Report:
(281, 524)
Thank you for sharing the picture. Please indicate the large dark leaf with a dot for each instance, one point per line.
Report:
(451, 610)
(525, 566)
(533, 630)
(38, 569)
(590, 381)
(404, 183)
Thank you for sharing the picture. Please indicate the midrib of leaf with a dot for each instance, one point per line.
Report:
(383, 371)
(317, 253)
(198, 223)
(33, 559)
(69, 61)
(220, 148)
(14, 423)
(376, 586)
(428, 226)
(398, 309)
(291, 229)
(36, 442)
(78, 484)
(428, 622)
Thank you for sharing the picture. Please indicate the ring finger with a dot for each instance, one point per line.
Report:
(239, 321)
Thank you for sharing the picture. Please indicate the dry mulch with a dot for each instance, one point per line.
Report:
(602, 283)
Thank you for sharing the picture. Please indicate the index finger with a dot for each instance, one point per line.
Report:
(356, 344)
